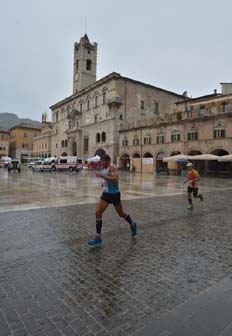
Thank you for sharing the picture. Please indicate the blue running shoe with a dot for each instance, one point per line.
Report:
(95, 242)
(133, 230)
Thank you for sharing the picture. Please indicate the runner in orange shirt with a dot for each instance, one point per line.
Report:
(192, 178)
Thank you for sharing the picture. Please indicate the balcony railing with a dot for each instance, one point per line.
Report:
(114, 101)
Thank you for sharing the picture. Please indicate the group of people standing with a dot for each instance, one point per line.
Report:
(111, 195)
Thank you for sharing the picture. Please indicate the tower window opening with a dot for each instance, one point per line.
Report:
(88, 64)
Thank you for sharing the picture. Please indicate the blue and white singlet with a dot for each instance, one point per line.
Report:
(110, 187)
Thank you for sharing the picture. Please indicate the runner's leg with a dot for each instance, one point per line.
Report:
(101, 207)
(190, 206)
(127, 217)
(195, 194)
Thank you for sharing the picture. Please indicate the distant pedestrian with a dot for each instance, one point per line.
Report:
(111, 195)
(193, 178)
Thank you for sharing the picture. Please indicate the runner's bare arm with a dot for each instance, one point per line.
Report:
(113, 174)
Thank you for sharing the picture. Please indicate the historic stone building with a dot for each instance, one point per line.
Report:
(88, 122)
(4, 142)
(21, 139)
(195, 126)
(42, 143)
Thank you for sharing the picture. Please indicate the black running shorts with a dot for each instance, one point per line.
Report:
(114, 199)
(193, 190)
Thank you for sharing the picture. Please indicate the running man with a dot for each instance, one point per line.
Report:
(110, 195)
(192, 178)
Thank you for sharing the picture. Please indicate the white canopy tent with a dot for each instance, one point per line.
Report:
(205, 157)
(225, 158)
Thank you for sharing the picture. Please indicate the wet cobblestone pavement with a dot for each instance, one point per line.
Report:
(52, 283)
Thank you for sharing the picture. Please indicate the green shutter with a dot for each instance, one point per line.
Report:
(223, 133)
(189, 136)
(214, 134)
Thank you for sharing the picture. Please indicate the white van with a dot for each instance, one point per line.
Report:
(5, 161)
(48, 164)
(71, 163)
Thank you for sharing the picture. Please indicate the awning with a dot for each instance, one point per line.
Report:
(225, 158)
(176, 158)
(205, 157)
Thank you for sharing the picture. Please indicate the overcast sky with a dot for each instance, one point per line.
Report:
(176, 45)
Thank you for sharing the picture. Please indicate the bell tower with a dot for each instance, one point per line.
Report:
(85, 64)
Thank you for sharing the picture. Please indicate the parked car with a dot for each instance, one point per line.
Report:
(14, 165)
(32, 163)
(4, 162)
(37, 166)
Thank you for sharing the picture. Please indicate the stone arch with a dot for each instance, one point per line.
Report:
(135, 155)
(175, 152)
(147, 155)
(125, 161)
(198, 164)
(217, 167)
(219, 151)
(194, 152)
(161, 167)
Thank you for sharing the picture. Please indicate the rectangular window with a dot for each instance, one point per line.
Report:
(125, 143)
(189, 112)
(86, 145)
(202, 110)
(225, 107)
(179, 115)
(104, 98)
(219, 134)
(175, 137)
(142, 104)
(147, 140)
(135, 142)
(57, 117)
(156, 107)
(81, 108)
(95, 101)
(193, 135)
(160, 139)
(88, 105)
(25, 135)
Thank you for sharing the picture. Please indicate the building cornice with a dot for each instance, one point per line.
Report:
(113, 75)
(175, 123)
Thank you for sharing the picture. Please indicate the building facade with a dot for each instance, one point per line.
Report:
(21, 141)
(196, 126)
(88, 122)
(42, 143)
(4, 142)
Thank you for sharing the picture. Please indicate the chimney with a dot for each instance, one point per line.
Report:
(215, 91)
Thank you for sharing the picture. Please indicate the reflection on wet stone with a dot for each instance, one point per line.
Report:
(52, 283)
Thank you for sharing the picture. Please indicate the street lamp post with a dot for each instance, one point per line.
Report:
(141, 152)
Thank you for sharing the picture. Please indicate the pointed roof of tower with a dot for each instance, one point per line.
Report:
(85, 37)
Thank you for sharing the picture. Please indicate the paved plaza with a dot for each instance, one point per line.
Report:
(52, 283)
